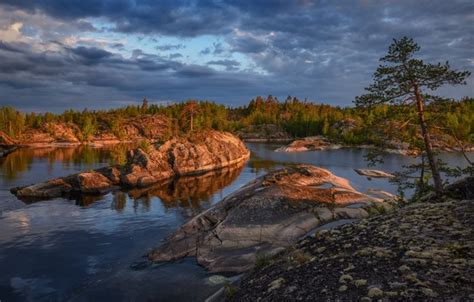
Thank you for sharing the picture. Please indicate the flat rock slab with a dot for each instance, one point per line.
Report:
(263, 217)
(373, 173)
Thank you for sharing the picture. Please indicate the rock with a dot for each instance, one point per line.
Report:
(6, 140)
(144, 127)
(217, 279)
(200, 153)
(7, 144)
(342, 288)
(314, 143)
(360, 282)
(267, 214)
(375, 292)
(374, 173)
(275, 284)
(81, 183)
(180, 156)
(50, 189)
(345, 279)
(62, 132)
(429, 292)
(420, 251)
(93, 183)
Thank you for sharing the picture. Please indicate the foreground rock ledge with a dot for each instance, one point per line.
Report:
(180, 156)
(264, 217)
(422, 252)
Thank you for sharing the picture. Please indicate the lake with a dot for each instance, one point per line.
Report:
(92, 249)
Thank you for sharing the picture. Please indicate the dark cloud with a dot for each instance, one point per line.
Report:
(228, 64)
(168, 47)
(323, 50)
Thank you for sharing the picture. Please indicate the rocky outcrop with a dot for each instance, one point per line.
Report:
(263, 217)
(145, 127)
(7, 144)
(373, 173)
(6, 140)
(422, 252)
(264, 133)
(82, 183)
(199, 153)
(312, 143)
(180, 156)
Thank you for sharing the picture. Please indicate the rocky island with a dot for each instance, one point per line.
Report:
(266, 216)
(179, 156)
(312, 143)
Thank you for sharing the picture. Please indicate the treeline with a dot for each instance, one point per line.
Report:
(298, 118)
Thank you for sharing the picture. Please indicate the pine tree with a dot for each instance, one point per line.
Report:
(400, 80)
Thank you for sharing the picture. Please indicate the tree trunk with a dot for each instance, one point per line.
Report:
(420, 104)
(421, 184)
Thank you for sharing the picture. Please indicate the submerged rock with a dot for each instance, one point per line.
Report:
(263, 217)
(203, 152)
(374, 173)
(313, 143)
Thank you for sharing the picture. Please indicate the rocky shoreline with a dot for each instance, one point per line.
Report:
(180, 156)
(423, 251)
(320, 143)
(265, 216)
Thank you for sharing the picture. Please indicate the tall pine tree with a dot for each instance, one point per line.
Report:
(401, 79)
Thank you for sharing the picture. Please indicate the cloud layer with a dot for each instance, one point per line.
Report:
(99, 54)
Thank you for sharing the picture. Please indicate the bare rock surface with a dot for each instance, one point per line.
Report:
(7, 144)
(313, 143)
(180, 156)
(145, 127)
(374, 173)
(6, 140)
(263, 217)
(421, 252)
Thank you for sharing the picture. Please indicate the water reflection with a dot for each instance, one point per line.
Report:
(191, 193)
(83, 249)
(15, 164)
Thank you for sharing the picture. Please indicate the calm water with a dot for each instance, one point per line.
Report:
(90, 249)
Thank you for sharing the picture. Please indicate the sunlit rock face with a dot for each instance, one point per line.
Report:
(263, 217)
(181, 156)
(199, 153)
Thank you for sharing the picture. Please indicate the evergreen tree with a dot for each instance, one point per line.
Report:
(401, 80)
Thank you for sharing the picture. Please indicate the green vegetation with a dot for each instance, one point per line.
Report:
(349, 125)
(401, 80)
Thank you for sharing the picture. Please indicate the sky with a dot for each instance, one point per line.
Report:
(94, 54)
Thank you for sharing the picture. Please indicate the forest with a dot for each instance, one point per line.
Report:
(350, 125)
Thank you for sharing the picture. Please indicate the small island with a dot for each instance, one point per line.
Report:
(180, 156)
